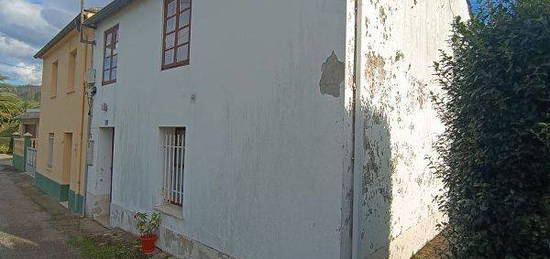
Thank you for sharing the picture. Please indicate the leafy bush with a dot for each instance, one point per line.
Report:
(147, 226)
(494, 155)
(4, 148)
(8, 129)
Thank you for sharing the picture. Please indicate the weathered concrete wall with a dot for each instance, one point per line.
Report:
(397, 123)
(263, 104)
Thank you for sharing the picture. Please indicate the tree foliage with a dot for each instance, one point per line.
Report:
(10, 105)
(494, 157)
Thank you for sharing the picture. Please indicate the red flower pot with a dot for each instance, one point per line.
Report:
(148, 243)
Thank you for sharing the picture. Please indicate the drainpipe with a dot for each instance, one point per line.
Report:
(89, 92)
(355, 225)
(83, 144)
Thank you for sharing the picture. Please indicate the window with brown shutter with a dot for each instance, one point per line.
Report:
(177, 33)
(110, 55)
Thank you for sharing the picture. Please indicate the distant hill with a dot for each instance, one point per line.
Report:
(28, 92)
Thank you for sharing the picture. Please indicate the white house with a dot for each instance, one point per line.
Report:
(269, 129)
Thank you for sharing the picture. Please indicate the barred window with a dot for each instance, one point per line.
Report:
(173, 150)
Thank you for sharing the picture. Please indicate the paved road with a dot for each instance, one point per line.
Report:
(25, 229)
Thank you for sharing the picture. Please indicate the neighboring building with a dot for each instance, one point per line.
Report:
(62, 138)
(30, 120)
(269, 129)
(24, 141)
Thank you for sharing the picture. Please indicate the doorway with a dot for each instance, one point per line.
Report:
(105, 174)
(67, 157)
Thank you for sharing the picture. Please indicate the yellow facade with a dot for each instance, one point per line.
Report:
(64, 113)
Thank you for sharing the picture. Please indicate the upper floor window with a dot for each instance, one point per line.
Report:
(110, 52)
(177, 33)
(53, 82)
(72, 71)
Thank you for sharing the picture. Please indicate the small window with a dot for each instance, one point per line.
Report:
(110, 54)
(177, 33)
(72, 71)
(54, 72)
(173, 154)
(50, 150)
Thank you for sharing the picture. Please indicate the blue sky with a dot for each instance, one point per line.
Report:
(475, 5)
(26, 26)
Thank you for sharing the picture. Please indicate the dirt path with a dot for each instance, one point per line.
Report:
(25, 228)
(33, 225)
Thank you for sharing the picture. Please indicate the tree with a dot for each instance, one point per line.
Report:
(494, 157)
(10, 105)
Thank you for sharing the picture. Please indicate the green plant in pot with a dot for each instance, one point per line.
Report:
(147, 227)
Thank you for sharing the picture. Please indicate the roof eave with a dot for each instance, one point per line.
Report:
(107, 11)
(66, 30)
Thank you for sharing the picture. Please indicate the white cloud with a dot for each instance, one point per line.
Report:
(27, 25)
(23, 14)
(25, 73)
(13, 48)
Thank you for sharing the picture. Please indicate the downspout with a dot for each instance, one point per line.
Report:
(355, 225)
(87, 92)
(83, 144)
(90, 92)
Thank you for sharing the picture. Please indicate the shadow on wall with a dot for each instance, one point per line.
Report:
(377, 186)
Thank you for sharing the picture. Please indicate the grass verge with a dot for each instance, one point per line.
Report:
(99, 247)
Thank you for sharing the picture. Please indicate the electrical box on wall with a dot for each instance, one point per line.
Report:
(90, 153)
(91, 76)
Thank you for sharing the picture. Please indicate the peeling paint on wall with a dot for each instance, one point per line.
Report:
(400, 43)
(332, 76)
(375, 72)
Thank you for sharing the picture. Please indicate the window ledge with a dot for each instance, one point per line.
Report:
(52, 96)
(71, 91)
(170, 210)
(108, 82)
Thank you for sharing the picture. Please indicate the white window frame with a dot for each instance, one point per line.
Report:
(173, 161)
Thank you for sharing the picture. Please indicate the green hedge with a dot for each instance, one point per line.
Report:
(494, 156)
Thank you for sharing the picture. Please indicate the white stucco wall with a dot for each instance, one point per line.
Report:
(397, 124)
(265, 148)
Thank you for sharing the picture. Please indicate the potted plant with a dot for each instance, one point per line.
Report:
(147, 227)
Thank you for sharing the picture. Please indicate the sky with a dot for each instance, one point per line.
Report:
(27, 25)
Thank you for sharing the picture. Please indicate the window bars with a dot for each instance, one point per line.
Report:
(173, 148)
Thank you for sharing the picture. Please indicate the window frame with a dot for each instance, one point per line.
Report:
(173, 148)
(165, 18)
(51, 143)
(113, 44)
(54, 80)
(73, 56)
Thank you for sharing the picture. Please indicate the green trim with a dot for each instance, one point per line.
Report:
(75, 202)
(18, 162)
(58, 191)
